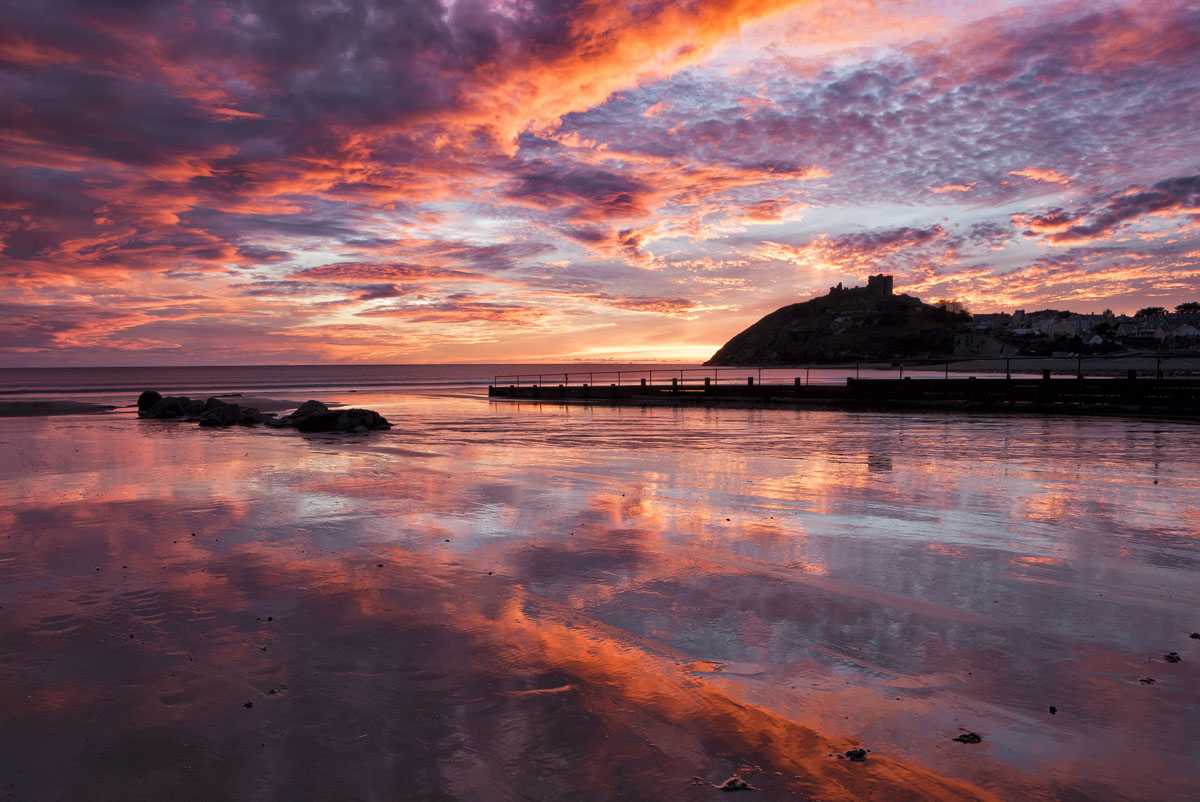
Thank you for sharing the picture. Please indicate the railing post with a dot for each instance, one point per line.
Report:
(1007, 369)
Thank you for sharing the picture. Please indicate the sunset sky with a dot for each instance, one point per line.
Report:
(516, 180)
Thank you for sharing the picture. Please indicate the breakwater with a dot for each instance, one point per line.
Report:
(1125, 395)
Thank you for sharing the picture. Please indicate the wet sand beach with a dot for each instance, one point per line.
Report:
(27, 409)
(508, 601)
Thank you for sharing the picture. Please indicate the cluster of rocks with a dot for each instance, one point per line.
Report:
(311, 416)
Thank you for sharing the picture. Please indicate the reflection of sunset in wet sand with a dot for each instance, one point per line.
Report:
(538, 603)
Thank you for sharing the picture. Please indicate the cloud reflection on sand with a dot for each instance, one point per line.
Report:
(594, 560)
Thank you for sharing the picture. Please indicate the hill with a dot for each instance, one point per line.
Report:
(845, 325)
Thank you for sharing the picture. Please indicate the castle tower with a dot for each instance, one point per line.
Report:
(880, 285)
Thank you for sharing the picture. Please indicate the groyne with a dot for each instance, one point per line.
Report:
(1176, 397)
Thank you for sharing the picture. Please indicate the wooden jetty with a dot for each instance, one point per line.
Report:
(1131, 394)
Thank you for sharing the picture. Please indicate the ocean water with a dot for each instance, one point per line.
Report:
(118, 385)
(509, 601)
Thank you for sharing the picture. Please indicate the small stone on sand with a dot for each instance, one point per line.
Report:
(968, 738)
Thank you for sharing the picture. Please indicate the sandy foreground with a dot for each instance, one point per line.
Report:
(510, 602)
(29, 409)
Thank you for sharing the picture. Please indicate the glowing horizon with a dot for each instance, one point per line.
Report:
(483, 182)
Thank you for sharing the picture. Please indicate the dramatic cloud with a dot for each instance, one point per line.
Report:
(1175, 197)
(352, 272)
(557, 177)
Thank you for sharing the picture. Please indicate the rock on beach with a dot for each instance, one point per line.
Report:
(311, 416)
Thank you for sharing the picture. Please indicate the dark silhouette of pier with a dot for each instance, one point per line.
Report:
(1150, 391)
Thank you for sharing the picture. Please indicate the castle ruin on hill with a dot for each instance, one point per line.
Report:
(879, 286)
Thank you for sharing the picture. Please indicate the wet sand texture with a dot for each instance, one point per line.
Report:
(20, 409)
(607, 604)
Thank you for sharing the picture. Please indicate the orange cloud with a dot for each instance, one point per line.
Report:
(1041, 174)
(942, 190)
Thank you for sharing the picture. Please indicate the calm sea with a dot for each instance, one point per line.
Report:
(120, 384)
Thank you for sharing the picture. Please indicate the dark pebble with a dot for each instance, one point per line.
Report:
(378, 565)
(1195, 635)
(857, 755)
(1053, 710)
(1147, 680)
(1172, 657)
(249, 705)
(968, 738)
(269, 618)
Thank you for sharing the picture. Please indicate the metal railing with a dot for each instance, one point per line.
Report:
(1149, 364)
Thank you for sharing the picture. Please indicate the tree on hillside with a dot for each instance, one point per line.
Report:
(1151, 311)
(1190, 308)
(955, 307)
